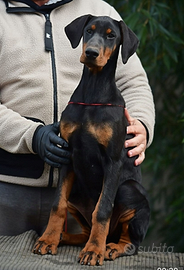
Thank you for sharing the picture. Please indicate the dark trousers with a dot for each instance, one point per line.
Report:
(24, 208)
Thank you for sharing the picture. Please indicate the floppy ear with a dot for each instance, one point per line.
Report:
(74, 30)
(130, 42)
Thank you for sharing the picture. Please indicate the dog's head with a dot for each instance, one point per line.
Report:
(101, 36)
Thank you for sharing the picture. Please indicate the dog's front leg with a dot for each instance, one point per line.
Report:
(94, 250)
(49, 241)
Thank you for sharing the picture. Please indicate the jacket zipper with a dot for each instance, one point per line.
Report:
(50, 48)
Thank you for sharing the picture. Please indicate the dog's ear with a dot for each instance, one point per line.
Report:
(130, 42)
(74, 30)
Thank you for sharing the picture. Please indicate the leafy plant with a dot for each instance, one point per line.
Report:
(159, 26)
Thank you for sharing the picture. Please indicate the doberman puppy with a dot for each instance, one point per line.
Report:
(101, 187)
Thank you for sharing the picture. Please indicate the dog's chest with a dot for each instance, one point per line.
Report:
(104, 124)
(95, 122)
(102, 132)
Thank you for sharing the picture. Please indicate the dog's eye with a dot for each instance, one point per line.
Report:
(89, 31)
(111, 36)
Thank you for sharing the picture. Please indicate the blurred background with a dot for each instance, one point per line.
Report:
(160, 27)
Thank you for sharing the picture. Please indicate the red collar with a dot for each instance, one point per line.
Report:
(95, 104)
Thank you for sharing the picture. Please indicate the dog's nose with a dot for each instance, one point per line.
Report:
(91, 53)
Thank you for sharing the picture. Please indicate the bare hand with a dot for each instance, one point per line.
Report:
(139, 141)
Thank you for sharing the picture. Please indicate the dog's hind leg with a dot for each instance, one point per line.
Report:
(134, 212)
(114, 250)
(80, 238)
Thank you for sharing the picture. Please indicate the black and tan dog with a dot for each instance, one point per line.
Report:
(101, 187)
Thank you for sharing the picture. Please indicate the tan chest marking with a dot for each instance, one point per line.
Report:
(103, 133)
(66, 129)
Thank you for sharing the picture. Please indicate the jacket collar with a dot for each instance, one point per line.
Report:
(30, 7)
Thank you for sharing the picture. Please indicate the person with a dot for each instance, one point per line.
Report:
(38, 73)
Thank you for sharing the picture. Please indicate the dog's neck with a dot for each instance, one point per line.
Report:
(98, 87)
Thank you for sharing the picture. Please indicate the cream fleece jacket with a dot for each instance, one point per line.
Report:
(26, 81)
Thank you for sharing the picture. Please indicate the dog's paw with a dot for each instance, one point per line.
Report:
(91, 256)
(43, 247)
(114, 251)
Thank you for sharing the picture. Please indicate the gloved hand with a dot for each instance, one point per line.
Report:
(49, 146)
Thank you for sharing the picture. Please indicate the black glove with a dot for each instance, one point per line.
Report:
(49, 146)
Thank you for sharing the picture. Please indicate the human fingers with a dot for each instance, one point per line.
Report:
(140, 159)
(136, 151)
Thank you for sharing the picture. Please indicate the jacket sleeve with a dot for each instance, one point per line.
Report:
(16, 131)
